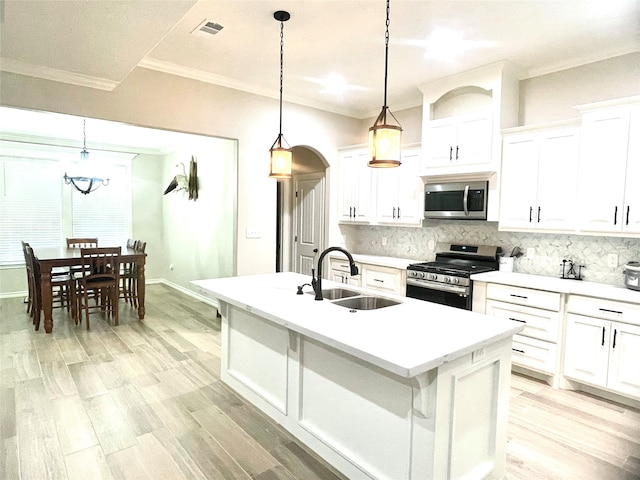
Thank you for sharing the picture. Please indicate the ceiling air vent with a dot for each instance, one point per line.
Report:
(210, 28)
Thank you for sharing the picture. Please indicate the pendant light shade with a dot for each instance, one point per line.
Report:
(281, 155)
(281, 159)
(385, 136)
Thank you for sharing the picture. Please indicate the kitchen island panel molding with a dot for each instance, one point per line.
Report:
(353, 392)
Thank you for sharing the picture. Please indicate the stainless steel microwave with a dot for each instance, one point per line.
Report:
(456, 200)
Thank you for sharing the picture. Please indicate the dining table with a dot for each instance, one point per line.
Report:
(51, 257)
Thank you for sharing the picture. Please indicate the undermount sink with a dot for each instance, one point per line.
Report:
(337, 293)
(366, 303)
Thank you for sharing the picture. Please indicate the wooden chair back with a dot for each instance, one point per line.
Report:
(82, 242)
(100, 264)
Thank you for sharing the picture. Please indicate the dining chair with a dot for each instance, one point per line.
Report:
(62, 288)
(100, 275)
(129, 276)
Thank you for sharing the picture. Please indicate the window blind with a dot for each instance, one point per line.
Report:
(104, 212)
(30, 206)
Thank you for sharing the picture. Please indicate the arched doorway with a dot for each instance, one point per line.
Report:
(302, 212)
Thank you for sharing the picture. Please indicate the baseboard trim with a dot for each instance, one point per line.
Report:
(153, 281)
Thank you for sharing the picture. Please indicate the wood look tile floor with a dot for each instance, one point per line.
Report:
(144, 401)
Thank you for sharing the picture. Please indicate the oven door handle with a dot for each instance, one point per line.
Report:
(463, 291)
(465, 200)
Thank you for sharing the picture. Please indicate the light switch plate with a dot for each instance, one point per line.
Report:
(253, 233)
(612, 260)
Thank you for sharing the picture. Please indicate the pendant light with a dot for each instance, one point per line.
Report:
(85, 185)
(384, 138)
(281, 155)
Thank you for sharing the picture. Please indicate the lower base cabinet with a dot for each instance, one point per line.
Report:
(603, 353)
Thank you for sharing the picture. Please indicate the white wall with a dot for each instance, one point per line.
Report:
(200, 236)
(158, 100)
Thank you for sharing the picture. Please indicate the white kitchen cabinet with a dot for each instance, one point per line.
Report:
(400, 191)
(354, 184)
(609, 196)
(535, 347)
(539, 180)
(385, 279)
(603, 352)
(340, 271)
(458, 141)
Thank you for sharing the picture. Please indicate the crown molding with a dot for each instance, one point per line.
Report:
(53, 74)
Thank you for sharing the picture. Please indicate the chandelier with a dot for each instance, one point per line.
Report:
(82, 184)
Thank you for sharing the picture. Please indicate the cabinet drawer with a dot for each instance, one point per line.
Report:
(540, 324)
(524, 296)
(383, 278)
(535, 354)
(341, 265)
(607, 309)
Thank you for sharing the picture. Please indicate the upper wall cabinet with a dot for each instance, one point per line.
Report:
(458, 141)
(609, 196)
(462, 118)
(539, 179)
(355, 186)
(400, 191)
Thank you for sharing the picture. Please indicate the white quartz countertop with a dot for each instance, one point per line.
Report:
(394, 262)
(559, 285)
(407, 339)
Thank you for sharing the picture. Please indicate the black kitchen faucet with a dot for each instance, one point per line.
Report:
(316, 283)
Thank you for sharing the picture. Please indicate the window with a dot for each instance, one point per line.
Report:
(30, 206)
(37, 207)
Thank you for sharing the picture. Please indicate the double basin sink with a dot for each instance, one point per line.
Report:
(356, 300)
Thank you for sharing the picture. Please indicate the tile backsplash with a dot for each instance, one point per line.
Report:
(547, 250)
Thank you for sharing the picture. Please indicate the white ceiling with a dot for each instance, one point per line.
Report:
(98, 43)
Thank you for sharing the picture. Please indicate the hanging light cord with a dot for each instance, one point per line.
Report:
(281, 70)
(84, 134)
(386, 56)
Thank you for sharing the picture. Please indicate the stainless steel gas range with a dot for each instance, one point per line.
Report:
(446, 280)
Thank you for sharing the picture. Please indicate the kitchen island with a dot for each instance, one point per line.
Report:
(414, 390)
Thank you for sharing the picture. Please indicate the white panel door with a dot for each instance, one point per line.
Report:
(624, 364)
(519, 182)
(557, 180)
(309, 215)
(603, 160)
(631, 211)
(587, 349)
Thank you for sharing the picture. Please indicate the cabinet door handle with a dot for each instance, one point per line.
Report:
(517, 350)
(394, 213)
(378, 280)
(530, 214)
(457, 148)
(518, 320)
(450, 153)
(350, 212)
(354, 212)
(539, 214)
(610, 311)
(615, 333)
(398, 213)
(615, 216)
(628, 207)
(519, 296)
(603, 331)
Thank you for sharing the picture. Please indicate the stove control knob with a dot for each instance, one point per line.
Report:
(454, 280)
(447, 279)
(423, 275)
(432, 276)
